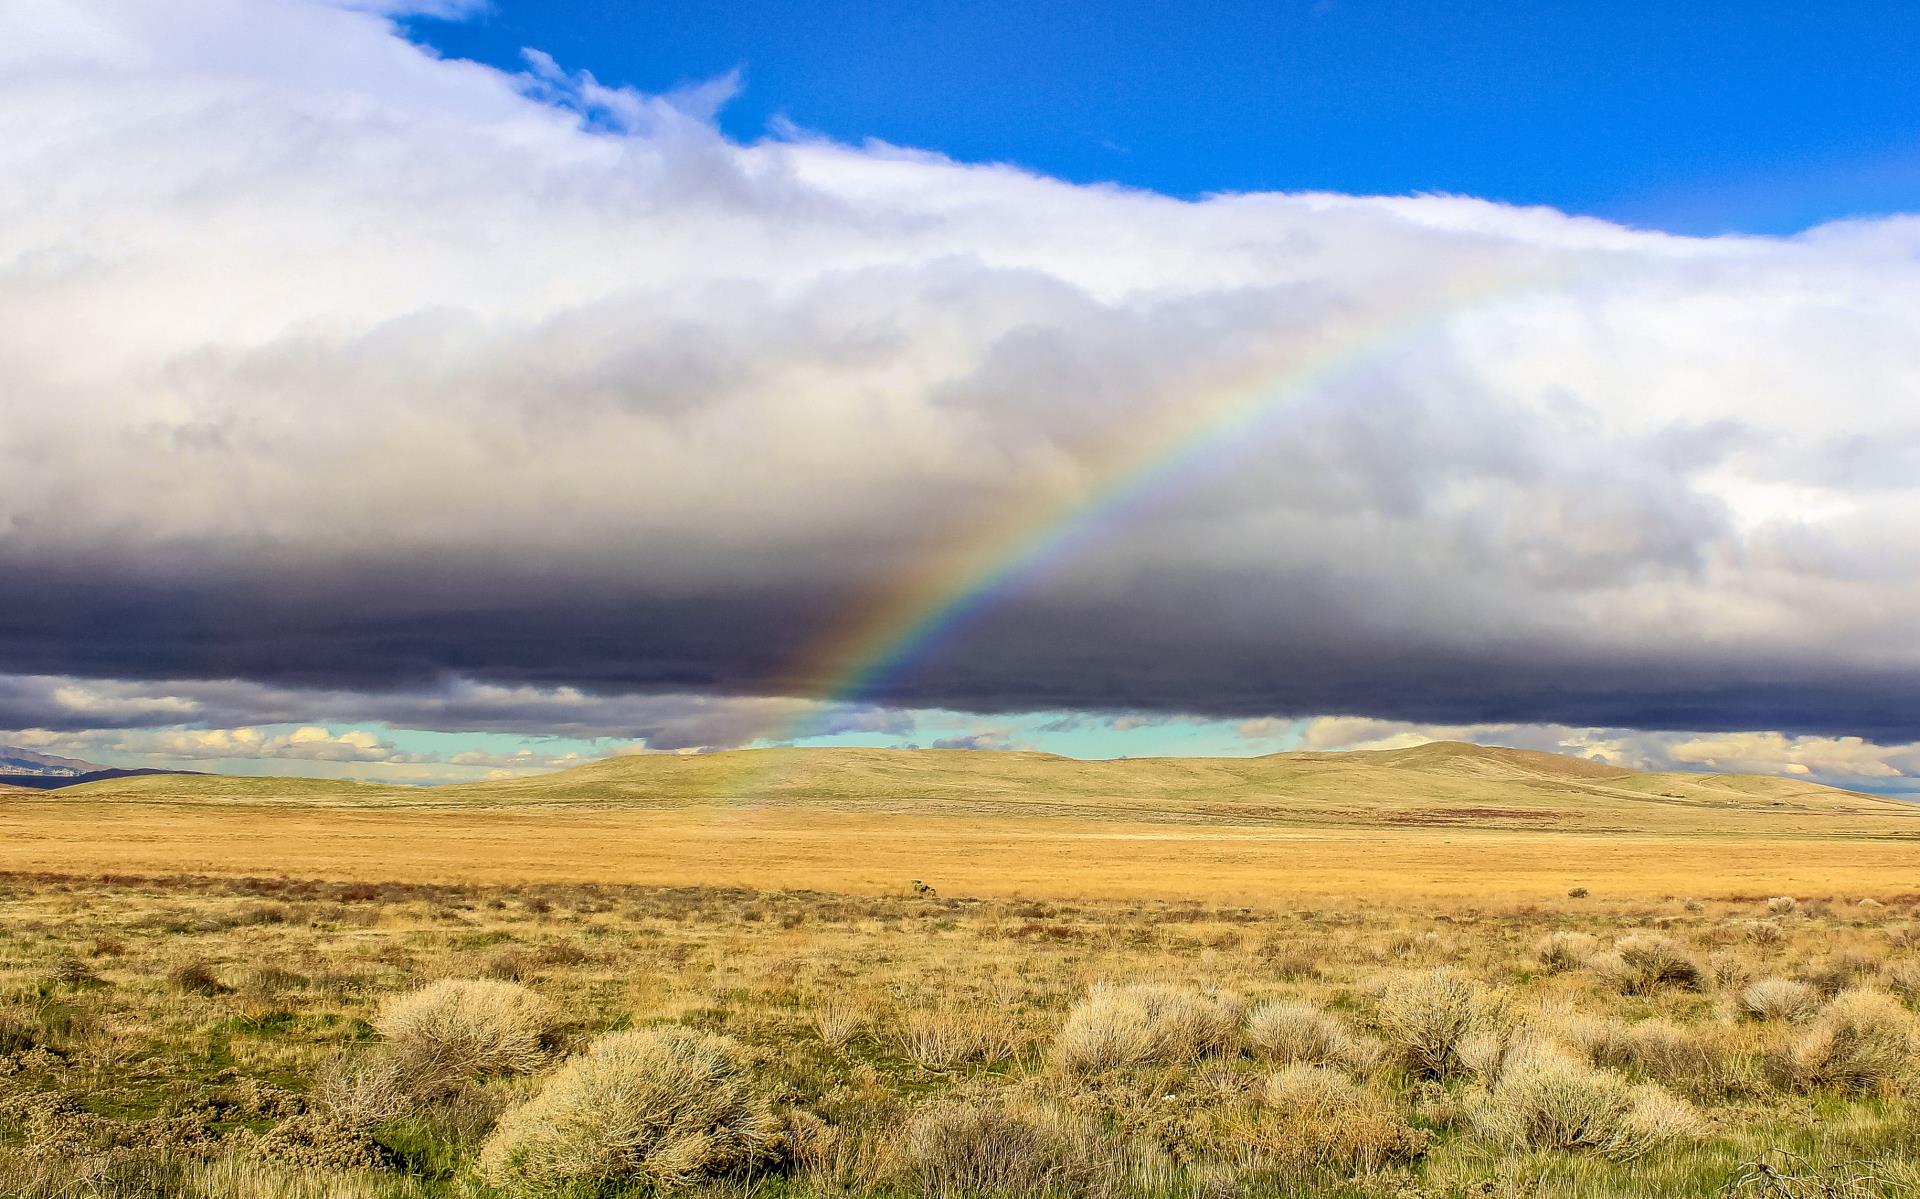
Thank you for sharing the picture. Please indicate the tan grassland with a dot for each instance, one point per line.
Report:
(1426, 974)
(1440, 820)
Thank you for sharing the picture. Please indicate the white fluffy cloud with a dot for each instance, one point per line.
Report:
(332, 364)
(307, 743)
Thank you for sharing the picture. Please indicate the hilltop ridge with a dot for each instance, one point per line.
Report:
(1440, 783)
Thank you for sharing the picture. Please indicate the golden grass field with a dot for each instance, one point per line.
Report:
(1442, 820)
(1354, 975)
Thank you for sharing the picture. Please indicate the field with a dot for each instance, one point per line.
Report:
(1442, 972)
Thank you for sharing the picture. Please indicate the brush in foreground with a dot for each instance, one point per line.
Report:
(1005, 1150)
(661, 1106)
(1297, 1030)
(1544, 1098)
(1311, 1117)
(1427, 1016)
(458, 1027)
(1143, 1023)
(1862, 1041)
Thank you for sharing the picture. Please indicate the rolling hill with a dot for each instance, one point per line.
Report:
(1441, 783)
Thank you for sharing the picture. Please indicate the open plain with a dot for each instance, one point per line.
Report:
(1441, 971)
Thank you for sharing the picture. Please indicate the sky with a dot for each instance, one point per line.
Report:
(427, 392)
(1714, 117)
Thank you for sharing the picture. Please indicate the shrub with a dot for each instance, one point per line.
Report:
(1904, 978)
(507, 965)
(1577, 892)
(196, 977)
(1642, 963)
(1861, 1042)
(1314, 1118)
(1764, 932)
(660, 1106)
(1782, 905)
(1545, 1099)
(1730, 970)
(1666, 1053)
(1779, 999)
(838, 1023)
(1425, 1016)
(1002, 1150)
(460, 1027)
(1145, 1023)
(1561, 951)
(1841, 971)
(1294, 1030)
(72, 972)
(944, 1038)
(364, 1090)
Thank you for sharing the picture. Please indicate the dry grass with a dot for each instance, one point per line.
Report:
(1426, 1017)
(1005, 1150)
(1862, 1041)
(1146, 1023)
(457, 1027)
(1393, 1044)
(1783, 999)
(1450, 822)
(944, 1038)
(1311, 1118)
(1546, 1099)
(660, 1106)
(1290, 1031)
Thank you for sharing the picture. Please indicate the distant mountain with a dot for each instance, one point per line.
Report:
(43, 772)
(14, 760)
(1440, 785)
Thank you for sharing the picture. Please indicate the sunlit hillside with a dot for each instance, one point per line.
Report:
(1442, 783)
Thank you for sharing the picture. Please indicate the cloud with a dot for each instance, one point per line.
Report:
(308, 743)
(995, 739)
(339, 369)
(666, 721)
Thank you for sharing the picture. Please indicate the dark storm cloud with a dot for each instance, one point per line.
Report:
(406, 397)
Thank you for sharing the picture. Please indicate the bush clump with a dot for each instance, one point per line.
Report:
(659, 1106)
(1146, 1023)
(1426, 1016)
(1293, 1030)
(1004, 1150)
(1311, 1117)
(196, 977)
(944, 1038)
(1861, 1042)
(460, 1027)
(1547, 1099)
(1779, 999)
(1642, 963)
(1562, 951)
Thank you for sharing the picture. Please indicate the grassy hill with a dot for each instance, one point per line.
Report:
(1442, 783)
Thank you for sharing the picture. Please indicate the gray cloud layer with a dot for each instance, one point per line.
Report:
(331, 365)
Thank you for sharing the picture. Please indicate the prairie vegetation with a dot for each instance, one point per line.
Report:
(241, 1037)
(1445, 823)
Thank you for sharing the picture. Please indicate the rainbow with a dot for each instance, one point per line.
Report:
(928, 606)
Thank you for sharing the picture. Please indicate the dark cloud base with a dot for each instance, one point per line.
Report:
(1026, 656)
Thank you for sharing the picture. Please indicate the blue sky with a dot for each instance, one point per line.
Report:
(1762, 116)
